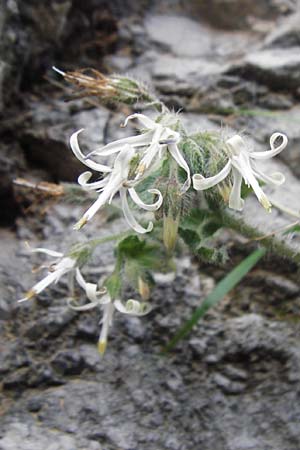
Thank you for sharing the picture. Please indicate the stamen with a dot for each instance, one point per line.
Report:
(80, 223)
(102, 347)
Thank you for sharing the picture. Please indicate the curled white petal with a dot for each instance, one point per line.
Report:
(91, 289)
(144, 120)
(274, 150)
(47, 252)
(235, 200)
(85, 177)
(133, 307)
(129, 216)
(176, 154)
(137, 200)
(276, 178)
(79, 155)
(237, 145)
(200, 183)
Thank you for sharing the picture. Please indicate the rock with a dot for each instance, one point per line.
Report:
(277, 68)
(172, 33)
(12, 165)
(236, 376)
(13, 51)
(52, 132)
(68, 362)
(52, 325)
(227, 386)
(248, 349)
(287, 34)
(235, 14)
(32, 437)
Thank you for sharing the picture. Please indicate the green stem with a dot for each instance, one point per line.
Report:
(272, 243)
(113, 237)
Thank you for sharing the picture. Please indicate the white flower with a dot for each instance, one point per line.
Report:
(241, 164)
(56, 270)
(103, 299)
(115, 181)
(151, 144)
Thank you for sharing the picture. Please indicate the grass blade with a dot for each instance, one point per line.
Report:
(219, 292)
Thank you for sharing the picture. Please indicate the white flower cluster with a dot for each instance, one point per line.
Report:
(63, 265)
(136, 157)
(241, 164)
(148, 150)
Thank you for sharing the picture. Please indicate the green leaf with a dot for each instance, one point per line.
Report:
(222, 289)
(293, 229)
(212, 255)
(190, 237)
(113, 284)
(197, 229)
(147, 255)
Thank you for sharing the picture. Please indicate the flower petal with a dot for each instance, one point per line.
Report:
(85, 307)
(133, 307)
(122, 161)
(47, 252)
(105, 196)
(235, 200)
(144, 120)
(46, 281)
(276, 178)
(106, 323)
(141, 140)
(200, 183)
(154, 207)
(242, 164)
(177, 155)
(274, 150)
(129, 216)
(85, 177)
(89, 214)
(91, 289)
(79, 155)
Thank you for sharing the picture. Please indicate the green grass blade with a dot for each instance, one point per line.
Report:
(222, 289)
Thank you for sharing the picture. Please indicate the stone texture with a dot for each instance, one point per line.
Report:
(240, 14)
(277, 68)
(286, 34)
(52, 130)
(234, 382)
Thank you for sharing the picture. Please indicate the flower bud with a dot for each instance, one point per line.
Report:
(144, 289)
(172, 208)
(111, 89)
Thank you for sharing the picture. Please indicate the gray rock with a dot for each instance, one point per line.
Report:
(172, 33)
(53, 131)
(235, 14)
(68, 362)
(287, 34)
(52, 325)
(234, 382)
(277, 68)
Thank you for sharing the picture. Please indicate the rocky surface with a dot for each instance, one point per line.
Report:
(234, 383)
